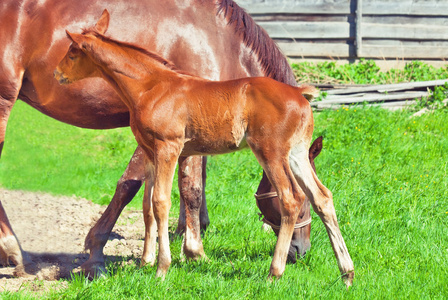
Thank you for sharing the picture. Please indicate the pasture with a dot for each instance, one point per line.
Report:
(387, 171)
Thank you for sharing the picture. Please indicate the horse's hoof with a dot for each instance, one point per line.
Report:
(26, 271)
(93, 270)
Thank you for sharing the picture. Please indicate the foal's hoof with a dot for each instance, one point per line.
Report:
(348, 279)
(161, 273)
(92, 270)
(148, 261)
(275, 273)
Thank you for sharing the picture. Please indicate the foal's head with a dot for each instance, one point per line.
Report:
(77, 64)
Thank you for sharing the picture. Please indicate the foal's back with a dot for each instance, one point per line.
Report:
(220, 115)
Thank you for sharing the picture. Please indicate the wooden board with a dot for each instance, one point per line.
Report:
(404, 31)
(303, 8)
(307, 30)
(315, 49)
(416, 52)
(353, 89)
(406, 7)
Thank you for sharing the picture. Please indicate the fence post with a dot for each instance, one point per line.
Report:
(358, 24)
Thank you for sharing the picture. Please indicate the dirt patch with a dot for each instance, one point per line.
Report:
(52, 230)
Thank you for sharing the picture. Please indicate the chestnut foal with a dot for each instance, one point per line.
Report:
(176, 114)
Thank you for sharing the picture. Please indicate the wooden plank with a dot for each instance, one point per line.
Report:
(388, 87)
(374, 98)
(409, 7)
(387, 105)
(405, 43)
(405, 31)
(303, 49)
(307, 30)
(415, 20)
(414, 52)
(302, 8)
(427, 8)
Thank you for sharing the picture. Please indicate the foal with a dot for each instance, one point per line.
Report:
(176, 114)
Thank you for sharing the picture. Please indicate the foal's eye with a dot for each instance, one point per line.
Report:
(71, 57)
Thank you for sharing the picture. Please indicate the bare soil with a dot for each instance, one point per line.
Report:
(52, 229)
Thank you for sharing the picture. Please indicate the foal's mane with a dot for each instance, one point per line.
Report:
(168, 64)
(270, 57)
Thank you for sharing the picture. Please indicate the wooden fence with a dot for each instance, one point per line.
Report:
(351, 29)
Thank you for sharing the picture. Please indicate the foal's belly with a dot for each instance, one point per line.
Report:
(211, 147)
(220, 130)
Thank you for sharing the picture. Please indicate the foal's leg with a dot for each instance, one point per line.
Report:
(150, 243)
(165, 159)
(291, 198)
(322, 201)
(127, 187)
(191, 207)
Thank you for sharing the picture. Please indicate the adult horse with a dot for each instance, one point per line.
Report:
(219, 39)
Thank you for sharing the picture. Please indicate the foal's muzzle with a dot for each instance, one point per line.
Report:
(60, 77)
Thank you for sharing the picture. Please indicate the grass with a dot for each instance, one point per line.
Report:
(365, 72)
(387, 171)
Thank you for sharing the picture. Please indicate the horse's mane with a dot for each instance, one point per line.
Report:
(168, 64)
(270, 57)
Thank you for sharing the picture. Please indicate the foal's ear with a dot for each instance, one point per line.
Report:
(78, 39)
(103, 23)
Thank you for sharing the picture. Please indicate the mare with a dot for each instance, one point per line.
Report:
(210, 33)
(207, 117)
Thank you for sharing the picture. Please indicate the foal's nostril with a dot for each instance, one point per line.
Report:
(60, 77)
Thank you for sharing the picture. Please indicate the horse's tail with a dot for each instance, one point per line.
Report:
(309, 92)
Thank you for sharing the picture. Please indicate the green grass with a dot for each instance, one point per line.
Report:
(365, 72)
(387, 172)
(42, 154)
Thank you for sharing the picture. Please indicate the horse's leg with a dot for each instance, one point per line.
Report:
(150, 243)
(165, 158)
(191, 180)
(128, 185)
(203, 214)
(268, 204)
(10, 250)
(322, 201)
(191, 203)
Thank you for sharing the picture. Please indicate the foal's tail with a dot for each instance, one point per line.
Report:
(309, 92)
